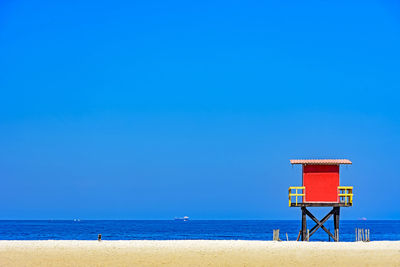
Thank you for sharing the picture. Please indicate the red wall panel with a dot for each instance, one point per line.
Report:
(321, 182)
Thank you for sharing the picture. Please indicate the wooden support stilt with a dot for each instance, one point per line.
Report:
(336, 222)
(303, 223)
(336, 211)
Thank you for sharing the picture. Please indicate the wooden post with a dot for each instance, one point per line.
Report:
(298, 236)
(336, 214)
(303, 223)
(356, 234)
(276, 235)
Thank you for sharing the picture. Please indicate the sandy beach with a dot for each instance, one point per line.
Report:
(198, 253)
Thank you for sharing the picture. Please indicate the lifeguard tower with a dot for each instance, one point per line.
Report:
(321, 188)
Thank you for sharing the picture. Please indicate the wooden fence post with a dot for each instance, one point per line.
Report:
(356, 234)
(276, 235)
(298, 237)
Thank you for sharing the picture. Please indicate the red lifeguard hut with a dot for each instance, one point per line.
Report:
(321, 188)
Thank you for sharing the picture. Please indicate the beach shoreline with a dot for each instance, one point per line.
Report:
(197, 253)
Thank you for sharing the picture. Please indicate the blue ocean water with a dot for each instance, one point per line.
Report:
(192, 229)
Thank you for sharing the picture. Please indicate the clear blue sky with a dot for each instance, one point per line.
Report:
(156, 109)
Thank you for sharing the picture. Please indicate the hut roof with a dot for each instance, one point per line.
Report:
(320, 161)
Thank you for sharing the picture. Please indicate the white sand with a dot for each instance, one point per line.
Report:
(198, 253)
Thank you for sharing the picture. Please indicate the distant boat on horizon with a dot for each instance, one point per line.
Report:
(185, 218)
